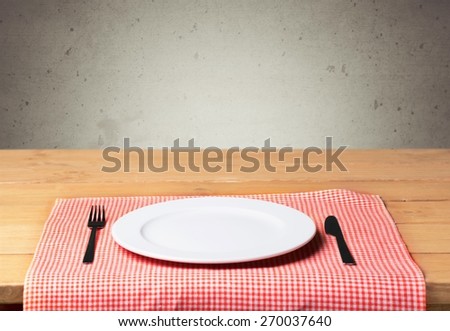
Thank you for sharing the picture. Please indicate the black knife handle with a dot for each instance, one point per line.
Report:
(346, 256)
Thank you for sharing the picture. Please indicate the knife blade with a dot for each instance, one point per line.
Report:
(333, 228)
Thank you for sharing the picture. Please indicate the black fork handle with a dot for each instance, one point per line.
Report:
(89, 255)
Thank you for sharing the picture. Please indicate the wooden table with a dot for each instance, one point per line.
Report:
(415, 184)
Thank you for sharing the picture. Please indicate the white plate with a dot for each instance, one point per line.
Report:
(213, 230)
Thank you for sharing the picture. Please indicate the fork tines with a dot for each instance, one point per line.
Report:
(96, 221)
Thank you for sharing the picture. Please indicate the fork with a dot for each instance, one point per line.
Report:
(96, 221)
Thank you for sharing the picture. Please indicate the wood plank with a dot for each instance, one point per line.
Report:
(426, 238)
(60, 166)
(19, 239)
(436, 269)
(13, 269)
(419, 211)
(35, 193)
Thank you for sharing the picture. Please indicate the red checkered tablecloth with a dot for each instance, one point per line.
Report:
(310, 278)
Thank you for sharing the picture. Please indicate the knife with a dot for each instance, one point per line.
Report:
(332, 228)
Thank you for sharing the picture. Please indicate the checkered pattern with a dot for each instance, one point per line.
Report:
(310, 278)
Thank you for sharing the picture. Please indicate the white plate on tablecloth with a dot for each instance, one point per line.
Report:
(213, 230)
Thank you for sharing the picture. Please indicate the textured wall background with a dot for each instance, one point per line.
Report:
(371, 73)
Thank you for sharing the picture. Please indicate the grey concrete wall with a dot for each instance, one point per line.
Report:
(86, 74)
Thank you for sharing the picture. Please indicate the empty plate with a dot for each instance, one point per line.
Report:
(213, 230)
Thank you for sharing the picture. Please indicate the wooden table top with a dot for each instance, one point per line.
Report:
(415, 185)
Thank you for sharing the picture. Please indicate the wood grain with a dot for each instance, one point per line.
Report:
(86, 166)
(415, 185)
(13, 269)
